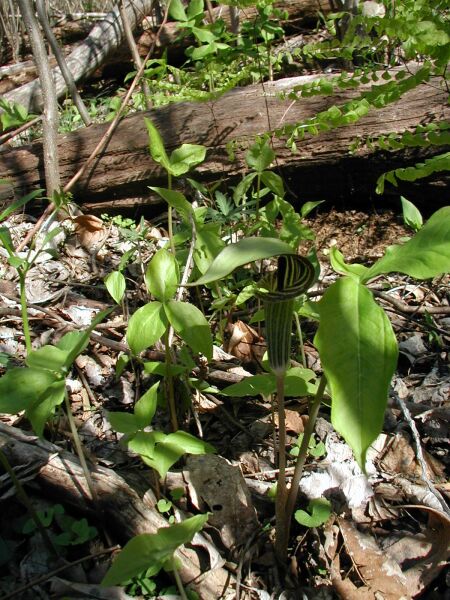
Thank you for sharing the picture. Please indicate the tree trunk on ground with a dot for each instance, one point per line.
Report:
(59, 475)
(322, 165)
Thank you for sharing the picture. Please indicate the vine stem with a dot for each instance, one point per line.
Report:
(303, 452)
(281, 529)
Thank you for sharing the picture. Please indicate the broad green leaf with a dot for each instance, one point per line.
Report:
(176, 200)
(146, 326)
(152, 549)
(156, 144)
(340, 266)
(163, 457)
(160, 368)
(185, 158)
(162, 275)
(298, 382)
(242, 187)
(319, 513)
(76, 342)
(145, 407)
(115, 284)
(208, 244)
(273, 182)
(358, 351)
(44, 408)
(6, 239)
(169, 449)
(123, 422)
(243, 252)
(411, 215)
(425, 255)
(49, 358)
(195, 9)
(188, 443)
(263, 385)
(308, 207)
(21, 388)
(191, 325)
(18, 203)
(260, 156)
(143, 442)
(176, 10)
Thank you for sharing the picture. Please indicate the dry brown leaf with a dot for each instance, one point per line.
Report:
(381, 575)
(213, 481)
(91, 231)
(244, 342)
(430, 550)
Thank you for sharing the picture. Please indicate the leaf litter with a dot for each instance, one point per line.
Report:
(387, 535)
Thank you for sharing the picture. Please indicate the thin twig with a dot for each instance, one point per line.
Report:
(420, 456)
(50, 574)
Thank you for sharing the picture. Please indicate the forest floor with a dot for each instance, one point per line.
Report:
(387, 532)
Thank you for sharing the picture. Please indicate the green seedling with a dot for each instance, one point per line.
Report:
(153, 552)
(73, 532)
(411, 215)
(319, 511)
(156, 449)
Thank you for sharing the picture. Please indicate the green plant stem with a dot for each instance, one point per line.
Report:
(281, 537)
(303, 452)
(23, 306)
(79, 449)
(23, 497)
(170, 217)
(300, 339)
(178, 581)
(169, 383)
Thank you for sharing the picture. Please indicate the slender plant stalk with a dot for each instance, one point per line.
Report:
(23, 497)
(303, 452)
(79, 449)
(300, 339)
(169, 383)
(178, 581)
(23, 307)
(281, 530)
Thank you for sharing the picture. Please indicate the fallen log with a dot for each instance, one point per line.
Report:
(58, 474)
(322, 166)
(107, 36)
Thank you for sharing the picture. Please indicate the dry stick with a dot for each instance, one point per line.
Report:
(50, 120)
(8, 136)
(68, 78)
(420, 456)
(54, 572)
(133, 49)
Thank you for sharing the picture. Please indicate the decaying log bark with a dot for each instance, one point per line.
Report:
(322, 164)
(107, 36)
(59, 474)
